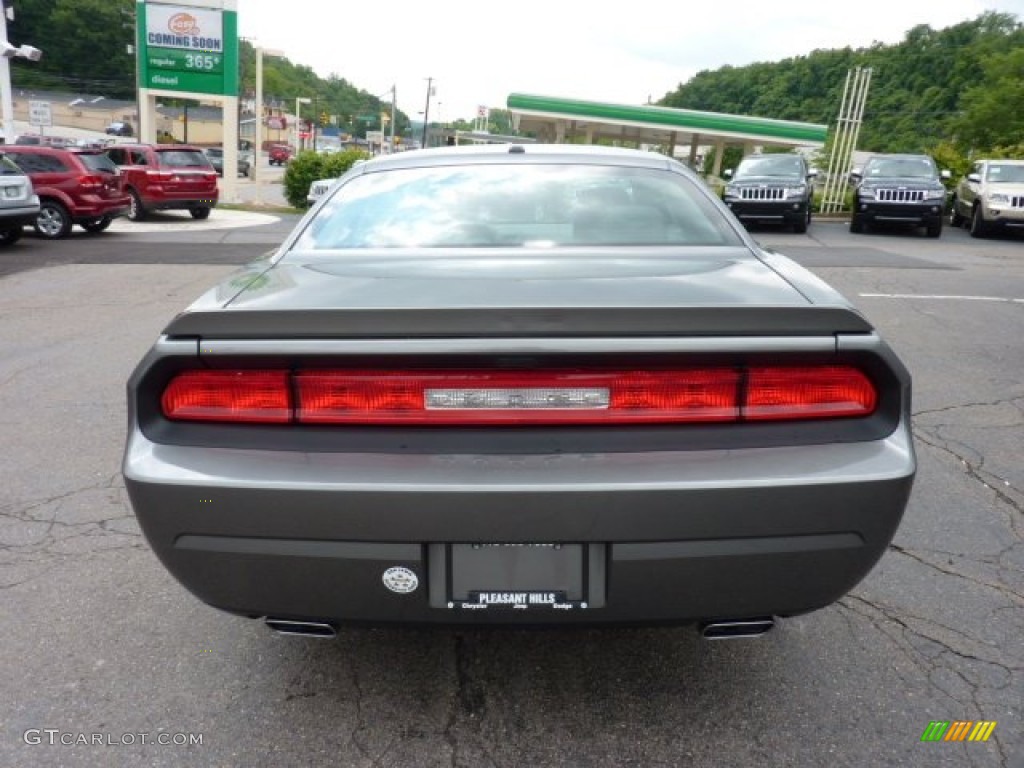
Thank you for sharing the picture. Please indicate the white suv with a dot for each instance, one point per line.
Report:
(990, 196)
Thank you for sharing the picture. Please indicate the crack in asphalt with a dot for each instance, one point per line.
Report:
(975, 471)
(33, 536)
(1000, 588)
(468, 698)
(360, 723)
(932, 665)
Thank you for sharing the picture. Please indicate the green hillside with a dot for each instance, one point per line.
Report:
(962, 85)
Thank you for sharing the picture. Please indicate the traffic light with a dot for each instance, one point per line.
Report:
(323, 118)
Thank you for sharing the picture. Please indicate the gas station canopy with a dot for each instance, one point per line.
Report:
(556, 120)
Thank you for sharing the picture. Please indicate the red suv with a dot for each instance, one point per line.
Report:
(75, 186)
(280, 154)
(160, 177)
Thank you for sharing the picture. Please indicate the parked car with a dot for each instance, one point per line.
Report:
(120, 128)
(771, 188)
(539, 384)
(160, 177)
(280, 154)
(35, 140)
(990, 197)
(899, 189)
(216, 157)
(19, 204)
(318, 189)
(75, 186)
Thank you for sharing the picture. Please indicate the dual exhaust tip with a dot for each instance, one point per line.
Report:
(301, 628)
(715, 630)
(737, 629)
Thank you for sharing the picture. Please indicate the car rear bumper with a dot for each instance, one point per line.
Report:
(12, 218)
(99, 212)
(668, 536)
(182, 203)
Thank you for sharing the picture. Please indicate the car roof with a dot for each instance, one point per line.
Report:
(516, 153)
(907, 155)
(156, 147)
(43, 149)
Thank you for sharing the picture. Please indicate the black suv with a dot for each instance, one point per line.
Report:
(771, 188)
(899, 189)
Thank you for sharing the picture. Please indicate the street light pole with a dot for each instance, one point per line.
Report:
(257, 126)
(298, 119)
(394, 101)
(426, 113)
(257, 149)
(7, 52)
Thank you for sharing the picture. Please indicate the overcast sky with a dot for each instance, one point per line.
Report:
(479, 52)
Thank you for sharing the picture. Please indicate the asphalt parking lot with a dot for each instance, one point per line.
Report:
(105, 656)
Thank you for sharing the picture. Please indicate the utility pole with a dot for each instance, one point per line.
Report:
(394, 101)
(7, 52)
(426, 113)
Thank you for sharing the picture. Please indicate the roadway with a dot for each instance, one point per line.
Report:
(98, 639)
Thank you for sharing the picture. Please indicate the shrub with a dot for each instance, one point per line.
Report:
(306, 167)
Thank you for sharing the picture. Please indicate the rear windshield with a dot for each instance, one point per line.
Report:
(182, 158)
(505, 205)
(97, 161)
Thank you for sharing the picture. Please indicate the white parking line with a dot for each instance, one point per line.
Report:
(940, 297)
(182, 221)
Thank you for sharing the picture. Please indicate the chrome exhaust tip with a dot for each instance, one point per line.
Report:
(736, 630)
(301, 628)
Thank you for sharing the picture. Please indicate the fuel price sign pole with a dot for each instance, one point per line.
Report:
(188, 49)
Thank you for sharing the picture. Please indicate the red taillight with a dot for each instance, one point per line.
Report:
(542, 397)
(487, 397)
(243, 396)
(90, 182)
(808, 393)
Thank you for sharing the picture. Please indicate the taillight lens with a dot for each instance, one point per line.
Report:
(559, 397)
(90, 182)
(808, 393)
(241, 396)
(484, 397)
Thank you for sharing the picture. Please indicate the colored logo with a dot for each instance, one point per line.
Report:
(958, 730)
(183, 24)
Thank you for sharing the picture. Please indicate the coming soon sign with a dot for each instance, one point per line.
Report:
(188, 48)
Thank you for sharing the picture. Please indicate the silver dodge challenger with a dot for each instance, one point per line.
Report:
(520, 385)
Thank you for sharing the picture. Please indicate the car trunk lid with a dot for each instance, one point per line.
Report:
(480, 293)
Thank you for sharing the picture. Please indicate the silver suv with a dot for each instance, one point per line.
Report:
(991, 196)
(19, 204)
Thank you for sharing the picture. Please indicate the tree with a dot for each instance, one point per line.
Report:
(993, 109)
(89, 57)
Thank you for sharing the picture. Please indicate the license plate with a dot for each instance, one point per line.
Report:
(519, 577)
(518, 600)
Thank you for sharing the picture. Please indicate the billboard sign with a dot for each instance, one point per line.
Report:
(188, 48)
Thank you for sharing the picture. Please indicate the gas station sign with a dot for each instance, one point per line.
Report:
(188, 48)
